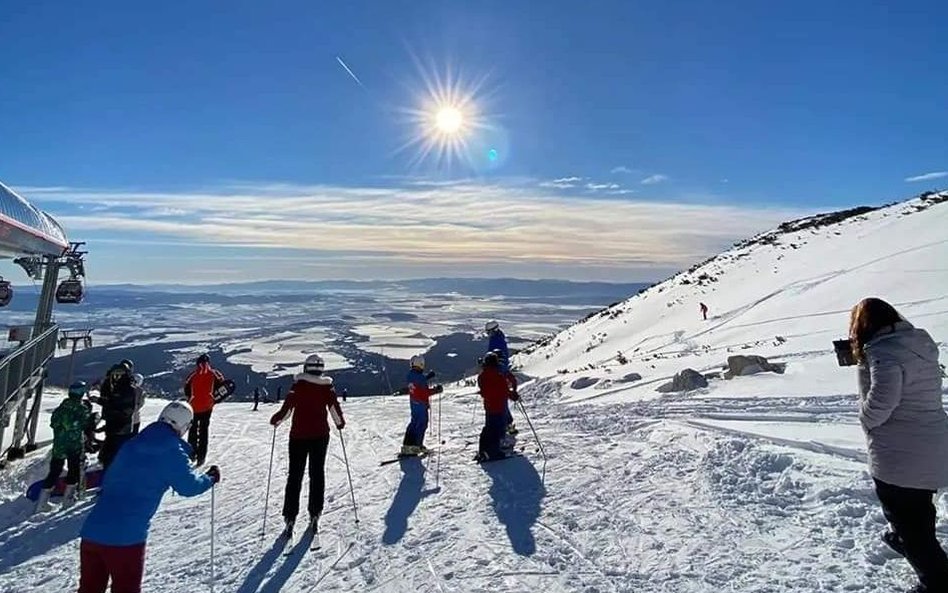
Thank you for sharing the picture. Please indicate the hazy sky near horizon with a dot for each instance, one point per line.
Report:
(616, 140)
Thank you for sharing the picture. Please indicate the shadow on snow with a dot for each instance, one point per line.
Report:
(36, 539)
(410, 492)
(516, 492)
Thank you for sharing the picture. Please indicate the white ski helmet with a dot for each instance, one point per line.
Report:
(138, 379)
(177, 415)
(418, 361)
(314, 364)
(491, 326)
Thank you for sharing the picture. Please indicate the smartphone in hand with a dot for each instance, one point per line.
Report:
(844, 353)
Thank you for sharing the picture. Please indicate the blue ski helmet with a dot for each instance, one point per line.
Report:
(78, 389)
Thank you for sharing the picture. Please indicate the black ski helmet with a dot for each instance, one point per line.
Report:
(203, 358)
(491, 359)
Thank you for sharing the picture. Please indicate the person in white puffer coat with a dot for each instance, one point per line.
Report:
(901, 412)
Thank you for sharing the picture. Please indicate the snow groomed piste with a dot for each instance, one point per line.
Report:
(755, 483)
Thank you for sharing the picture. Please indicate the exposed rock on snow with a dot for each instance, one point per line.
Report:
(686, 380)
(584, 382)
(631, 377)
(742, 365)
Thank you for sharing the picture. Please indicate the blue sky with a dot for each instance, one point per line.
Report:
(207, 141)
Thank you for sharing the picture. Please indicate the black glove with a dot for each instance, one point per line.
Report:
(514, 396)
(437, 389)
(430, 375)
(214, 473)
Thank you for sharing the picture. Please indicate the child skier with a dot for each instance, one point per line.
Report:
(497, 343)
(496, 392)
(309, 399)
(70, 421)
(419, 396)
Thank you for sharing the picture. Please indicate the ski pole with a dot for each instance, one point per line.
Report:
(440, 436)
(266, 498)
(523, 409)
(345, 458)
(213, 488)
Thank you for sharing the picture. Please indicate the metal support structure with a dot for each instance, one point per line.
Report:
(74, 336)
(44, 320)
(21, 374)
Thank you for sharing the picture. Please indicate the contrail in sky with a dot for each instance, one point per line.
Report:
(349, 70)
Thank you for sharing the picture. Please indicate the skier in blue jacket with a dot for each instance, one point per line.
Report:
(114, 534)
(497, 343)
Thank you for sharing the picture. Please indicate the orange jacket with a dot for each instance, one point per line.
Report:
(199, 387)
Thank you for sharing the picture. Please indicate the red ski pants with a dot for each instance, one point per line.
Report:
(125, 565)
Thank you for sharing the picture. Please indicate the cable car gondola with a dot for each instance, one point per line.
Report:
(6, 292)
(69, 292)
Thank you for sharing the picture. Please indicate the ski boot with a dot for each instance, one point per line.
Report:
(410, 450)
(512, 429)
(69, 496)
(42, 503)
(288, 527)
(893, 540)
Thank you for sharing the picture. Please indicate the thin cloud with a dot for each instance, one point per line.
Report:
(927, 176)
(562, 182)
(654, 179)
(621, 170)
(470, 225)
(599, 186)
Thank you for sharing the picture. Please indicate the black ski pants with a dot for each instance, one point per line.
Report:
(300, 451)
(111, 446)
(911, 514)
(56, 466)
(492, 435)
(197, 436)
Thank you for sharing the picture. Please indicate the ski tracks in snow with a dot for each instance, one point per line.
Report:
(638, 497)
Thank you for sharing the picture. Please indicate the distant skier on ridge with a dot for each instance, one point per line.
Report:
(310, 400)
(497, 342)
(419, 396)
(704, 311)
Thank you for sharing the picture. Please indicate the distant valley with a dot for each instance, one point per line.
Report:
(259, 333)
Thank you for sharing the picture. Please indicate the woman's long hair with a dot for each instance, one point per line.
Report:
(867, 319)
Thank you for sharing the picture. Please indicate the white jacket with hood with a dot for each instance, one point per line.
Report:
(900, 385)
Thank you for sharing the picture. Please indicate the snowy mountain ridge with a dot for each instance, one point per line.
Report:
(816, 267)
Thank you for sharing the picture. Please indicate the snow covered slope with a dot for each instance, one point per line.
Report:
(784, 294)
(757, 484)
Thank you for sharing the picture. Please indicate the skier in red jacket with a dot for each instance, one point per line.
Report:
(310, 399)
(199, 391)
(496, 390)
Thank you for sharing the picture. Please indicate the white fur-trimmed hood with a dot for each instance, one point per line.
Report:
(314, 379)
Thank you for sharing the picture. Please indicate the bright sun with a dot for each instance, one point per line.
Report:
(449, 120)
